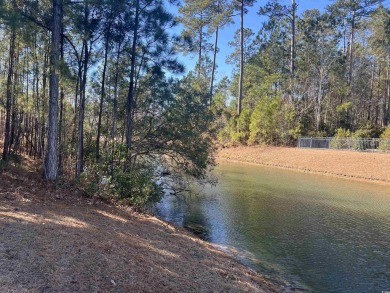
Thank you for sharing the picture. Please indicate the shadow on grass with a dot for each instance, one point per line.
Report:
(63, 246)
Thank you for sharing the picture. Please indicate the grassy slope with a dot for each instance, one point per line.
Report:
(364, 166)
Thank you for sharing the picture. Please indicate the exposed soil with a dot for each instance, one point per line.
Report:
(373, 167)
(58, 240)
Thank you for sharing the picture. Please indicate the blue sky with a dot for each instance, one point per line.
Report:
(252, 20)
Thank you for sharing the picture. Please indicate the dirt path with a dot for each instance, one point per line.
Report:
(374, 167)
(59, 241)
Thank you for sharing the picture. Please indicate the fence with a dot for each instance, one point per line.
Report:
(345, 143)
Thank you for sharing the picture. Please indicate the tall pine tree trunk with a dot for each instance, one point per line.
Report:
(14, 113)
(387, 115)
(80, 138)
(61, 133)
(83, 83)
(8, 106)
(214, 64)
(51, 159)
(200, 43)
(37, 104)
(239, 102)
(377, 100)
(344, 38)
(292, 49)
(76, 100)
(130, 96)
(115, 102)
(369, 108)
(214, 57)
(102, 95)
(351, 51)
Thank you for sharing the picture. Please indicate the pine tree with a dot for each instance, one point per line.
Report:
(51, 159)
(352, 11)
(196, 17)
(222, 15)
(276, 11)
(241, 6)
(10, 79)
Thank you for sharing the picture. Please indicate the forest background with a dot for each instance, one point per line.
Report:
(104, 92)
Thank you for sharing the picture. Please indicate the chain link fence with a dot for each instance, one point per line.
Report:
(346, 143)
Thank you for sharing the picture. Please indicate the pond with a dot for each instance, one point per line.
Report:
(326, 234)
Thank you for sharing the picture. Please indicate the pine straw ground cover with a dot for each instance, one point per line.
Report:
(57, 240)
(362, 166)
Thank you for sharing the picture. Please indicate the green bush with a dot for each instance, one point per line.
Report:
(357, 143)
(384, 145)
(273, 122)
(362, 133)
(366, 132)
(321, 133)
(341, 139)
(341, 132)
(136, 186)
(108, 178)
(236, 129)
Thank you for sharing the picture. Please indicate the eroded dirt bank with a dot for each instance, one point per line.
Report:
(56, 240)
(373, 167)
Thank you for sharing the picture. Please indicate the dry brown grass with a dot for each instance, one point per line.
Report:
(374, 167)
(57, 240)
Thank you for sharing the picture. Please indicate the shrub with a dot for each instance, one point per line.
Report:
(321, 133)
(384, 144)
(362, 133)
(236, 129)
(108, 178)
(341, 139)
(136, 186)
(273, 122)
(341, 132)
(358, 135)
(359, 144)
(241, 132)
(366, 132)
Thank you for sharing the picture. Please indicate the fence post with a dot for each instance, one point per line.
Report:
(311, 141)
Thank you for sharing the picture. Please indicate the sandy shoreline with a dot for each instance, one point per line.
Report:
(361, 166)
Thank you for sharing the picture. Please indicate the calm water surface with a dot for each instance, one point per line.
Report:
(329, 234)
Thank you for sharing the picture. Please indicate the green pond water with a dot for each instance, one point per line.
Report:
(325, 234)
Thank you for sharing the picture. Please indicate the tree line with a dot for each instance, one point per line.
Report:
(89, 88)
(315, 73)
